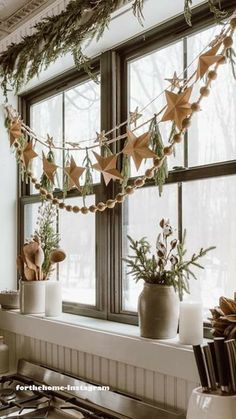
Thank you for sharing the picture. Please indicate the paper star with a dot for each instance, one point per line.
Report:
(49, 169)
(49, 141)
(107, 166)
(134, 116)
(137, 147)
(15, 130)
(73, 172)
(101, 138)
(178, 106)
(206, 60)
(28, 154)
(175, 81)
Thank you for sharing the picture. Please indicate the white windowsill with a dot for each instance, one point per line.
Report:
(116, 341)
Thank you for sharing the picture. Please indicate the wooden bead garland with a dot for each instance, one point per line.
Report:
(129, 190)
(110, 203)
(84, 210)
(195, 107)
(228, 41)
(212, 75)
(139, 182)
(233, 23)
(204, 91)
(186, 123)
(168, 150)
(76, 209)
(92, 208)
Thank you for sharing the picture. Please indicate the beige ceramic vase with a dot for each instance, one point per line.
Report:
(158, 310)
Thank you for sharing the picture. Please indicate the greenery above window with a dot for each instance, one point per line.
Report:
(57, 35)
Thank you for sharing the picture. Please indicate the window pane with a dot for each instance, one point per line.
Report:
(46, 118)
(212, 133)
(82, 118)
(146, 81)
(30, 219)
(141, 216)
(209, 217)
(78, 271)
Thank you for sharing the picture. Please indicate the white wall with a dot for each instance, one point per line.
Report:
(8, 193)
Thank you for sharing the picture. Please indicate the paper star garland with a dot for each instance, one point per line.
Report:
(49, 169)
(15, 130)
(73, 172)
(137, 147)
(101, 138)
(178, 106)
(28, 154)
(175, 81)
(107, 166)
(206, 60)
(134, 116)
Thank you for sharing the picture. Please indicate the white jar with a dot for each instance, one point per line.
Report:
(4, 356)
(53, 300)
(211, 406)
(32, 297)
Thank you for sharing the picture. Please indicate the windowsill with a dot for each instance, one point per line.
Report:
(111, 340)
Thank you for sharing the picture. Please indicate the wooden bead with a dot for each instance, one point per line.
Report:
(228, 41)
(120, 197)
(37, 186)
(16, 144)
(110, 203)
(61, 205)
(49, 197)
(55, 201)
(19, 153)
(186, 123)
(43, 191)
(149, 173)
(168, 150)
(177, 138)
(69, 208)
(158, 162)
(195, 107)
(204, 91)
(92, 208)
(101, 206)
(33, 180)
(84, 210)
(233, 23)
(212, 75)
(139, 182)
(76, 209)
(129, 190)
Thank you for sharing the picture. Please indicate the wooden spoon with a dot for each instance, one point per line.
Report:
(57, 256)
(39, 259)
(29, 251)
(29, 274)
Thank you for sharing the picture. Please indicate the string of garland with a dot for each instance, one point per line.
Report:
(66, 32)
(219, 14)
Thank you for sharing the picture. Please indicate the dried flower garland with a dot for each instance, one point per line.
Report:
(179, 110)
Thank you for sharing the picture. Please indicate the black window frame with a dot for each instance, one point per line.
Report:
(112, 66)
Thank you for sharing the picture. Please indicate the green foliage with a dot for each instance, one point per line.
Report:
(125, 171)
(168, 266)
(55, 36)
(44, 181)
(219, 14)
(46, 232)
(88, 182)
(157, 146)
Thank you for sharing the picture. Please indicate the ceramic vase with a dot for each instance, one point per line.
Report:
(32, 297)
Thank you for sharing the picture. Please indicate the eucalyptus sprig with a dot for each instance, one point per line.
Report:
(168, 266)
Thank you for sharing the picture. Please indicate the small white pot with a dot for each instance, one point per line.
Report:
(211, 406)
(32, 297)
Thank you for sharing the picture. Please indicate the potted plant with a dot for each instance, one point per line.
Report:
(166, 277)
(37, 260)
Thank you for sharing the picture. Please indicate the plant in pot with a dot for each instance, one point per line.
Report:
(37, 260)
(166, 278)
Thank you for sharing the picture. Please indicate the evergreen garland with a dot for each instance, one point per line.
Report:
(57, 35)
(157, 146)
(218, 14)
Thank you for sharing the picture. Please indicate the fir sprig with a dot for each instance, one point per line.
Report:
(168, 266)
(219, 14)
(157, 146)
(88, 182)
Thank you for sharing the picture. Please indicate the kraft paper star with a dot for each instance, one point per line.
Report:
(134, 116)
(175, 81)
(28, 154)
(101, 138)
(107, 166)
(206, 60)
(49, 169)
(137, 147)
(178, 106)
(15, 130)
(73, 172)
(49, 141)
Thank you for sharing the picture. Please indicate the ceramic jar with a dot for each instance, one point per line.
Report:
(211, 406)
(32, 297)
(158, 310)
(4, 356)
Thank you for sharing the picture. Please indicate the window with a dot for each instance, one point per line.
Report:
(199, 194)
